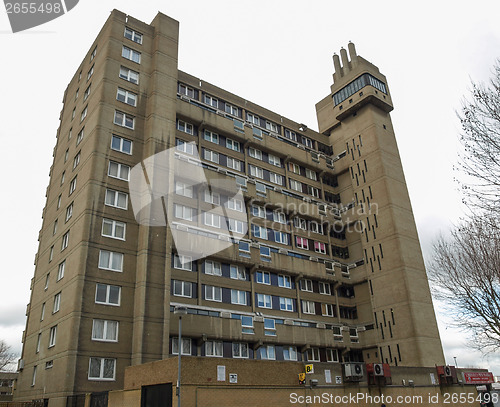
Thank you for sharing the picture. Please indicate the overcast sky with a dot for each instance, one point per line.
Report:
(277, 54)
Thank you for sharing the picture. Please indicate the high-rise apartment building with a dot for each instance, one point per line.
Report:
(313, 257)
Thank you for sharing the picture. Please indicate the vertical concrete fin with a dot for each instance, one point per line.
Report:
(352, 54)
(336, 64)
(345, 61)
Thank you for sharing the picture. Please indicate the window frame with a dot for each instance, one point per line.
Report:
(114, 225)
(131, 54)
(102, 362)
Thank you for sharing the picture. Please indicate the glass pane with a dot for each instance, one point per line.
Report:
(115, 143)
(109, 369)
(98, 330)
(107, 228)
(244, 350)
(112, 330)
(110, 197)
(95, 367)
(101, 293)
(117, 261)
(104, 259)
(114, 294)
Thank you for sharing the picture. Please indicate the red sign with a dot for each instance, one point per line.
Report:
(478, 377)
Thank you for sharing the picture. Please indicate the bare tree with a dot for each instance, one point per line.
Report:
(479, 159)
(465, 276)
(6, 356)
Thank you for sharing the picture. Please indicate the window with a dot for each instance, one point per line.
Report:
(259, 211)
(279, 217)
(38, 341)
(103, 330)
(181, 188)
(313, 355)
(213, 348)
(234, 163)
(235, 204)
(116, 199)
(301, 243)
(284, 281)
(327, 310)
(120, 171)
(211, 101)
(267, 352)
(124, 119)
(280, 237)
(213, 198)
(76, 93)
(231, 109)
(271, 126)
(121, 144)
(315, 227)
(42, 314)
(59, 199)
(102, 369)
(129, 75)
(54, 229)
(253, 119)
(294, 168)
(51, 254)
(186, 90)
(110, 260)
(49, 364)
(76, 160)
(211, 156)
(265, 253)
(182, 288)
(65, 241)
(238, 297)
(47, 280)
(246, 324)
(290, 135)
(211, 219)
(289, 353)
(264, 301)
(57, 303)
(63, 176)
(66, 154)
(244, 248)
(240, 350)
(254, 153)
(300, 223)
(183, 212)
(313, 191)
(311, 174)
(237, 272)
(107, 294)
(324, 288)
(332, 355)
(131, 54)
(133, 35)
(126, 97)
(72, 185)
(308, 143)
(269, 327)
(306, 285)
(52, 336)
(213, 268)
(60, 270)
(84, 114)
(86, 94)
(186, 346)
(320, 247)
(184, 146)
(113, 228)
(73, 113)
(90, 72)
(233, 145)
(182, 262)
(79, 136)
(286, 304)
(295, 185)
(308, 307)
(213, 293)
(263, 277)
(275, 178)
(69, 212)
(33, 377)
(210, 136)
(274, 160)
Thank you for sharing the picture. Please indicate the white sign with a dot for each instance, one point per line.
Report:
(328, 376)
(338, 379)
(233, 378)
(221, 373)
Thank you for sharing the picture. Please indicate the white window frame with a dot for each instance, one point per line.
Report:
(316, 227)
(185, 90)
(308, 307)
(284, 281)
(324, 288)
(290, 353)
(115, 226)
(233, 145)
(295, 168)
(313, 191)
(253, 119)
(213, 293)
(306, 285)
(185, 127)
(237, 272)
(186, 288)
(108, 291)
(264, 301)
(127, 97)
(267, 352)
(281, 237)
(119, 169)
(184, 146)
(133, 35)
(72, 185)
(259, 232)
(131, 54)
(332, 355)
(232, 110)
(210, 155)
(112, 259)
(60, 270)
(101, 362)
(212, 197)
(263, 277)
(52, 336)
(211, 219)
(184, 189)
(327, 310)
(211, 101)
(105, 331)
(182, 262)
(312, 355)
(286, 304)
(124, 120)
(271, 126)
(311, 174)
(129, 75)
(214, 349)
(261, 211)
(76, 160)
(79, 136)
(213, 268)
(254, 153)
(242, 350)
(57, 303)
(301, 243)
(211, 136)
(291, 135)
(320, 247)
(112, 198)
(237, 226)
(256, 171)
(274, 160)
(186, 343)
(295, 185)
(235, 204)
(234, 164)
(279, 216)
(276, 178)
(86, 94)
(238, 297)
(65, 241)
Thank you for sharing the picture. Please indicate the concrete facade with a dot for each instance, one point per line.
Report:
(329, 271)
